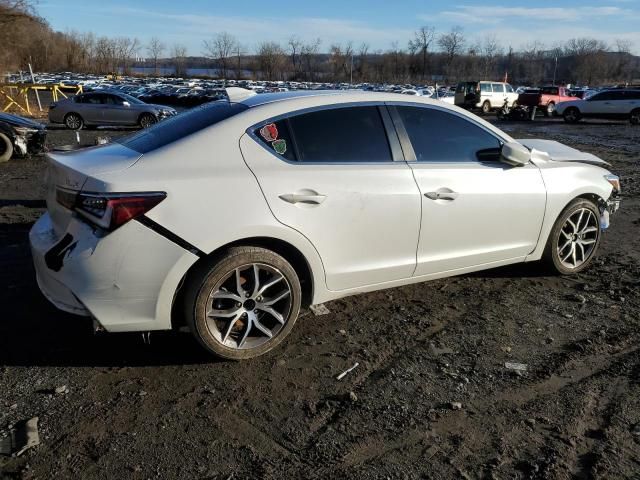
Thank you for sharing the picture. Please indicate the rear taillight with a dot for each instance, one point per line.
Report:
(109, 210)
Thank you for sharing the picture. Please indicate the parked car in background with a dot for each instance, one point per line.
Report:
(106, 108)
(20, 136)
(618, 104)
(545, 98)
(219, 217)
(486, 96)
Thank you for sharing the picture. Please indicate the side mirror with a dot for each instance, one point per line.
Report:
(515, 154)
(126, 104)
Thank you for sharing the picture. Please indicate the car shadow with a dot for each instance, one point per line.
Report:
(34, 333)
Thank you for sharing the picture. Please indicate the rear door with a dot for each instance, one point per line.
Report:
(334, 175)
(476, 210)
(498, 95)
(91, 107)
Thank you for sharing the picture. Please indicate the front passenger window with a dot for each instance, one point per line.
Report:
(439, 136)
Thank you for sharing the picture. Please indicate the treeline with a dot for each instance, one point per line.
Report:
(428, 57)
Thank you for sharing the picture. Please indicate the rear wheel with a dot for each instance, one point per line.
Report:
(571, 115)
(635, 117)
(486, 107)
(73, 121)
(550, 109)
(574, 239)
(244, 303)
(6, 148)
(146, 120)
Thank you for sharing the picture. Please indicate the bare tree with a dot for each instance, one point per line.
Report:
(489, 49)
(423, 38)
(179, 54)
(220, 48)
(452, 44)
(309, 55)
(239, 52)
(294, 45)
(270, 58)
(155, 49)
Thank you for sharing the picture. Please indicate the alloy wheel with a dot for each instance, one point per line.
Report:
(578, 238)
(249, 306)
(73, 122)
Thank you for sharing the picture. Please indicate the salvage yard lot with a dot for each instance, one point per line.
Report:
(166, 410)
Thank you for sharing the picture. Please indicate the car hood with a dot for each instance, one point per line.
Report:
(17, 121)
(558, 152)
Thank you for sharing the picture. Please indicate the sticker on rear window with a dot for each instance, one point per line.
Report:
(280, 146)
(269, 132)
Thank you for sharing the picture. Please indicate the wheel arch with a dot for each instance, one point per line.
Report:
(550, 222)
(283, 248)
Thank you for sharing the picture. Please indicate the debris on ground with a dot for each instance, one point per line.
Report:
(61, 390)
(455, 406)
(343, 374)
(319, 309)
(518, 367)
(22, 437)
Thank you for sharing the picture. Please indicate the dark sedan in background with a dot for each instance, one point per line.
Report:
(20, 136)
(106, 108)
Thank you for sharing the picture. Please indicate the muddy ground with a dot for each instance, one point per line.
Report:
(166, 410)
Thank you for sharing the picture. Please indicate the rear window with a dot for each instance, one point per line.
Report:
(180, 126)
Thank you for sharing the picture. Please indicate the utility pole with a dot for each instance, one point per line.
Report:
(351, 71)
(555, 70)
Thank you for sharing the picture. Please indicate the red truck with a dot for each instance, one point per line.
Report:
(546, 98)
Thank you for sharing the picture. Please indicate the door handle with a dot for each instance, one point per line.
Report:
(308, 198)
(441, 195)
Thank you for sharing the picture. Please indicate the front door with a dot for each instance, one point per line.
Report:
(330, 174)
(476, 210)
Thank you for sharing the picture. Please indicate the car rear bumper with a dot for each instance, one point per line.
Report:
(125, 280)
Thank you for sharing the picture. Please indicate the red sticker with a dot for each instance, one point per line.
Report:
(269, 132)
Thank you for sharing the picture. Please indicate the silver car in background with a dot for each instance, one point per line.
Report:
(106, 108)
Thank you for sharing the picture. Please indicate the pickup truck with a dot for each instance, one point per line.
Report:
(545, 99)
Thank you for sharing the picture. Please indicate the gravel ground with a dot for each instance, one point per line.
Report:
(431, 397)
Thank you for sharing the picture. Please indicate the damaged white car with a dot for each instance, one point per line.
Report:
(231, 217)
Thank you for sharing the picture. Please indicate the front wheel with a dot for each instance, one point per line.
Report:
(635, 117)
(574, 239)
(244, 303)
(146, 120)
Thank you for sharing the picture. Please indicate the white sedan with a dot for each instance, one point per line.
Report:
(229, 218)
(619, 104)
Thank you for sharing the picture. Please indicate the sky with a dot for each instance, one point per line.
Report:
(378, 23)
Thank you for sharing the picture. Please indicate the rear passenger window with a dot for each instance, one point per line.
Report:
(438, 136)
(352, 134)
(485, 87)
(498, 88)
(276, 137)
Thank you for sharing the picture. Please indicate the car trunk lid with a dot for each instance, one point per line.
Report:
(69, 171)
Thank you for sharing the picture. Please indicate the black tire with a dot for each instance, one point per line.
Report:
(147, 120)
(6, 148)
(73, 121)
(572, 115)
(634, 118)
(551, 256)
(486, 107)
(210, 278)
(549, 109)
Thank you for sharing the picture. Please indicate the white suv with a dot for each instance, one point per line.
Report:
(234, 215)
(484, 95)
(610, 104)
